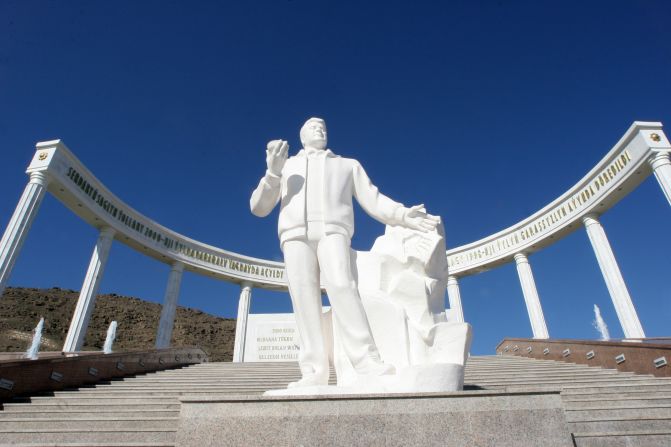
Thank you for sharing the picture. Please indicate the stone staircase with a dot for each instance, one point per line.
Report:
(603, 407)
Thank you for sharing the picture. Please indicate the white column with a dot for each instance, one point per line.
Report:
(19, 224)
(87, 297)
(241, 322)
(533, 302)
(167, 321)
(624, 307)
(661, 166)
(454, 296)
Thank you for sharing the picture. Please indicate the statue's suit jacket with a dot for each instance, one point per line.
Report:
(344, 178)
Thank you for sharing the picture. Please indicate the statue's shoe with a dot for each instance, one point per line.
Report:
(310, 380)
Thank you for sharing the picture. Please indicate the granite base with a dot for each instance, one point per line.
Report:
(469, 418)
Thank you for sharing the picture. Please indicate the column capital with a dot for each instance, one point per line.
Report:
(451, 279)
(40, 178)
(590, 219)
(246, 285)
(107, 232)
(520, 258)
(177, 266)
(659, 158)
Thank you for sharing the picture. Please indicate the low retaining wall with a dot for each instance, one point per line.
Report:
(644, 356)
(56, 372)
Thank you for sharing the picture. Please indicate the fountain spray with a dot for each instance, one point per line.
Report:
(111, 335)
(32, 352)
(600, 325)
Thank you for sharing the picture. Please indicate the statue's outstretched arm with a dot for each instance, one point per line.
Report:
(382, 208)
(267, 194)
(376, 204)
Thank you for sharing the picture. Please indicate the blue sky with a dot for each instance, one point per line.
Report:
(484, 111)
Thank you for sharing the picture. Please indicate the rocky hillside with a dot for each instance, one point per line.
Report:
(21, 309)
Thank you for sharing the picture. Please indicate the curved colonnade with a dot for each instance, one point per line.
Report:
(643, 149)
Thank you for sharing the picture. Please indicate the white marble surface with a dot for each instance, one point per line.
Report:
(167, 320)
(20, 223)
(265, 331)
(531, 299)
(74, 340)
(439, 377)
(58, 162)
(642, 149)
(315, 189)
(241, 322)
(456, 311)
(661, 166)
(402, 282)
(624, 307)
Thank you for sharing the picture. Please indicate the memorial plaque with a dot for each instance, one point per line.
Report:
(272, 338)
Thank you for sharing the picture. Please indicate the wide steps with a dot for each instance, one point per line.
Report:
(94, 422)
(622, 425)
(660, 438)
(100, 412)
(603, 407)
(76, 437)
(171, 404)
(92, 403)
(598, 404)
(606, 414)
(617, 389)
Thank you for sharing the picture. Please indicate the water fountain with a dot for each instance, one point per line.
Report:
(34, 349)
(600, 325)
(111, 335)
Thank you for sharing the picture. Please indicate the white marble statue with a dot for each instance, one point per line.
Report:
(316, 222)
(402, 282)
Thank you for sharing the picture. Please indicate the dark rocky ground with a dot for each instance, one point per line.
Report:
(137, 320)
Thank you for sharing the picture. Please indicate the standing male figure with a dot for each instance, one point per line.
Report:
(315, 226)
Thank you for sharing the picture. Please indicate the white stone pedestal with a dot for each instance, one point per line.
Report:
(439, 377)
